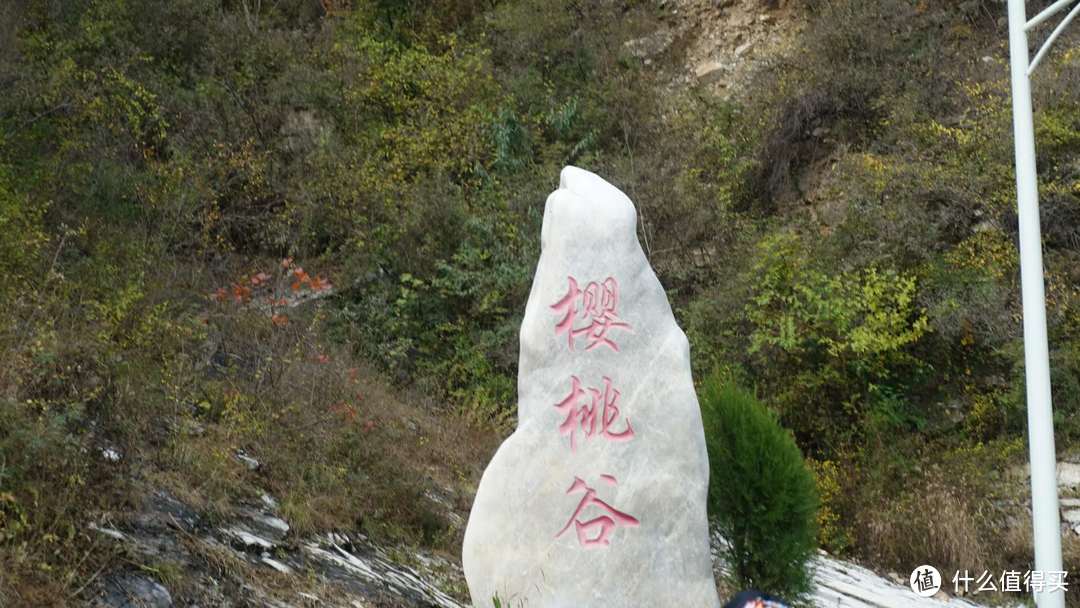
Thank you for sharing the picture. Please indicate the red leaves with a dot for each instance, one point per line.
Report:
(241, 293)
(302, 279)
(269, 288)
(320, 284)
(347, 411)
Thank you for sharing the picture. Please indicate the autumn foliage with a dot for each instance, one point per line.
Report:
(275, 293)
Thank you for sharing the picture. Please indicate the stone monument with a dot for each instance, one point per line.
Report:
(598, 497)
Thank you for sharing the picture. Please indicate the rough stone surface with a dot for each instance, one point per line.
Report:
(265, 566)
(134, 591)
(1068, 474)
(534, 537)
(650, 46)
(840, 584)
(711, 71)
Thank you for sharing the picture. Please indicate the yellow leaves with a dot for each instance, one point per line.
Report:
(1071, 56)
(890, 319)
(877, 169)
(414, 110)
(799, 309)
(134, 110)
(13, 517)
(1057, 130)
(832, 532)
(956, 134)
(988, 251)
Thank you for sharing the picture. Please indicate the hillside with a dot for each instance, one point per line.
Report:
(266, 262)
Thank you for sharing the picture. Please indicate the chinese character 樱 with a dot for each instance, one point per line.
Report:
(596, 305)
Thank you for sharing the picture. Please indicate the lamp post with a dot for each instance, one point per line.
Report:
(1044, 491)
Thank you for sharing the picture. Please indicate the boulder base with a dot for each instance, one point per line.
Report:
(598, 497)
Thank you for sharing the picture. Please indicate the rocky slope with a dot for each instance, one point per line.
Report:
(253, 560)
(256, 559)
(718, 44)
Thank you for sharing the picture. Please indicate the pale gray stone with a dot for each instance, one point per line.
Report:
(711, 71)
(1068, 474)
(131, 590)
(248, 461)
(650, 46)
(517, 543)
(1071, 516)
(246, 539)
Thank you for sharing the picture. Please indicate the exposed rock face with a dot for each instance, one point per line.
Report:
(598, 498)
(134, 591)
(724, 44)
(650, 46)
(264, 565)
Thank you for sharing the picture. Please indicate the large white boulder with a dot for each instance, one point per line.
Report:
(598, 497)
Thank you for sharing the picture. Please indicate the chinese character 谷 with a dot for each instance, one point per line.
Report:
(598, 304)
(603, 524)
(583, 414)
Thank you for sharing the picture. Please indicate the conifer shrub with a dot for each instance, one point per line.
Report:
(762, 496)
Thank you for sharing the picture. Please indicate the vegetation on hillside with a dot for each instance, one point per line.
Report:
(842, 238)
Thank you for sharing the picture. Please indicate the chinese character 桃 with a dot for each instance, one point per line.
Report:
(582, 410)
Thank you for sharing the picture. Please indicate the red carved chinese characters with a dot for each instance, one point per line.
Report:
(597, 305)
(581, 412)
(604, 525)
(592, 313)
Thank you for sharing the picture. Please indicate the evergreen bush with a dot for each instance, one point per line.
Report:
(762, 496)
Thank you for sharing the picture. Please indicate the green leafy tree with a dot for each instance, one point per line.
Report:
(762, 496)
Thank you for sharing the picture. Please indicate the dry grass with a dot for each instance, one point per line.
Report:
(336, 445)
(179, 385)
(932, 523)
(937, 523)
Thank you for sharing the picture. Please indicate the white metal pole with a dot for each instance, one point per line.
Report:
(1044, 494)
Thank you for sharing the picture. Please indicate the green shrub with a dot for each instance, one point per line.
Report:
(761, 494)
